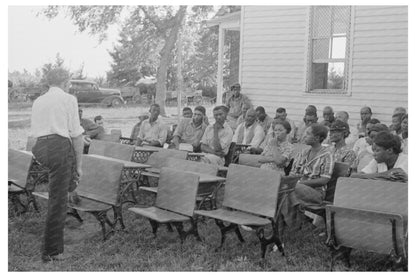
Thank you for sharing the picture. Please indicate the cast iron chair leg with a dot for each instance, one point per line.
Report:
(154, 225)
(181, 232)
(169, 227)
(118, 216)
(194, 230)
(74, 213)
(103, 219)
(239, 235)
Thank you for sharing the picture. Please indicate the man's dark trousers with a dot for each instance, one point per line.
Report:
(56, 154)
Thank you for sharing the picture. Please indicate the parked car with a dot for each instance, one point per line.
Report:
(89, 92)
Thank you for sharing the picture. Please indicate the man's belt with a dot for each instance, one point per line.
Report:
(49, 137)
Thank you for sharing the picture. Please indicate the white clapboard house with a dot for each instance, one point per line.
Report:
(342, 56)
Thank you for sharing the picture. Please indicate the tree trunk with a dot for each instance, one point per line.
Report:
(162, 71)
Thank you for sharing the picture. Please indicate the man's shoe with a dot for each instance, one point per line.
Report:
(59, 257)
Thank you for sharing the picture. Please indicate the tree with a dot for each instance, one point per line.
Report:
(162, 21)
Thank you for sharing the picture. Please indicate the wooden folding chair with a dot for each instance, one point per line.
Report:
(340, 170)
(19, 166)
(99, 190)
(370, 215)
(111, 149)
(250, 199)
(175, 202)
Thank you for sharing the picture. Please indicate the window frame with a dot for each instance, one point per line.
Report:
(346, 91)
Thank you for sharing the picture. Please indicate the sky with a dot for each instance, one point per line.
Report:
(35, 40)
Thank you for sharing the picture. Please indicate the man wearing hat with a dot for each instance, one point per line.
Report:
(235, 105)
(338, 132)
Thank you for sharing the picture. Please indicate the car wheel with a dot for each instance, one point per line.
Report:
(116, 102)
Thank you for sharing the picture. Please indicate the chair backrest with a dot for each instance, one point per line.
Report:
(19, 165)
(31, 141)
(159, 158)
(100, 179)
(177, 191)
(251, 189)
(109, 137)
(362, 231)
(340, 170)
(249, 160)
(116, 132)
(197, 167)
(111, 149)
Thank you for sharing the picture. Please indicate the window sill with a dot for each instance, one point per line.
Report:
(328, 92)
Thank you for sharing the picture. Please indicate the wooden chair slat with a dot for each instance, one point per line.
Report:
(19, 165)
(235, 217)
(111, 149)
(159, 158)
(100, 180)
(177, 191)
(160, 215)
(252, 190)
(191, 166)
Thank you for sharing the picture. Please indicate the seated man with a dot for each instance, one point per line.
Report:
(344, 117)
(249, 132)
(191, 130)
(310, 118)
(365, 114)
(217, 138)
(282, 116)
(187, 112)
(136, 127)
(152, 131)
(244, 110)
(328, 115)
(99, 120)
(388, 163)
(263, 119)
(396, 121)
(91, 130)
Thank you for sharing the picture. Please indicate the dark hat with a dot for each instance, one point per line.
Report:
(339, 125)
(379, 127)
(235, 86)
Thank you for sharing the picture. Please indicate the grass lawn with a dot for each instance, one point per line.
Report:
(135, 249)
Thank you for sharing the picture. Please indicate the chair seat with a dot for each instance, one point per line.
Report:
(15, 189)
(86, 205)
(236, 217)
(159, 215)
(149, 189)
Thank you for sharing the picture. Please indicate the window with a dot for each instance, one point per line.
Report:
(328, 49)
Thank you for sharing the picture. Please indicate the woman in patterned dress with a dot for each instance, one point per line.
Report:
(338, 132)
(278, 152)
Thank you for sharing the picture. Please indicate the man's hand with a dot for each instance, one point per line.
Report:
(139, 142)
(73, 197)
(79, 170)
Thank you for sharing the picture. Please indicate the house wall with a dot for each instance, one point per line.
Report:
(273, 61)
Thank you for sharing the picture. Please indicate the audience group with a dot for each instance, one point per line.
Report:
(371, 149)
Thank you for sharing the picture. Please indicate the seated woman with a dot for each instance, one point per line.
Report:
(405, 133)
(388, 163)
(338, 132)
(278, 152)
(315, 165)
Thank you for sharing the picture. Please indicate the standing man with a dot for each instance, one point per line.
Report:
(152, 131)
(190, 130)
(235, 105)
(56, 126)
(217, 138)
(365, 114)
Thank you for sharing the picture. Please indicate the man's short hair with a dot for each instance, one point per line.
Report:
(319, 130)
(57, 76)
(154, 105)
(387, 140)
(235, 86)
(373, 121)
(98, 117)
(280, 110)
(221, 107)
(260, 109)
(186, 109)
(311, 108)
(201, 109)
(284, 123)
(378, 127)
(368, 108)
